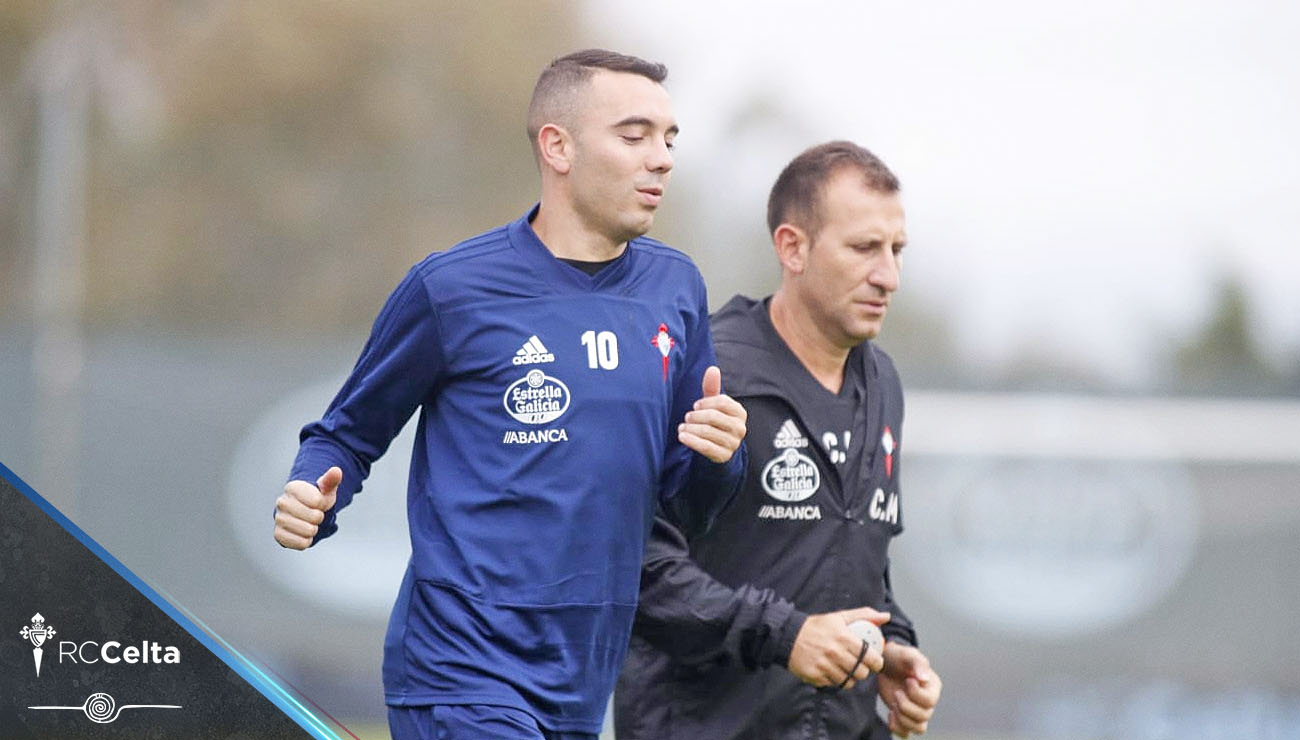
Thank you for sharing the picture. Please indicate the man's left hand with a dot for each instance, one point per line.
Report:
(716, 425)
(910, 688)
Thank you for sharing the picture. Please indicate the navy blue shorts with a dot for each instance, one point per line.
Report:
(470, 722)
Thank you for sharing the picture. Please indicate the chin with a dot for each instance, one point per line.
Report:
(863, 333)
(638, 228)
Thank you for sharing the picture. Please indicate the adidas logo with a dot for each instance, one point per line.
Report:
(533, 353)
(788, 436)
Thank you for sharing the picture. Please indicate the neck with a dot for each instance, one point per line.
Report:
(567, 236)
(823, 358)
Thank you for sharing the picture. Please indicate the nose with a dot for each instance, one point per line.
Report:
(661, 158)
(884, 273)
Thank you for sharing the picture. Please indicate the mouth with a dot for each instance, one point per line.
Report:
(651, 195)
(875, 306)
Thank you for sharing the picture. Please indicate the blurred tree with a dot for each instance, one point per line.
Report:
(1223, 357)
(281, 164)
(20, 23)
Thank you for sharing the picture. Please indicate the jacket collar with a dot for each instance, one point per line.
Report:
(758, 359)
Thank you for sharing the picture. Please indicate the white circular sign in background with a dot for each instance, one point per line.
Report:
(357, 571)
(1047, 547)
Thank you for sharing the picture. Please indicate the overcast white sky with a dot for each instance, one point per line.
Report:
(1077, 173)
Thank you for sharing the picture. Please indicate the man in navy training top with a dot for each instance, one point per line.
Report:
(802, 550)
(563, 369)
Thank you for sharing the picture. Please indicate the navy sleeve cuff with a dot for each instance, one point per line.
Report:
(789, 631)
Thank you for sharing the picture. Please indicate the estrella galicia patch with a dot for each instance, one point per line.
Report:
(791, 476)
(536, 398)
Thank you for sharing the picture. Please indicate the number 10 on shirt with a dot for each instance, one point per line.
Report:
(602, 349)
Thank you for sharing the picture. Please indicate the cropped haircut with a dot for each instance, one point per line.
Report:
(555, 97)
(796, 196)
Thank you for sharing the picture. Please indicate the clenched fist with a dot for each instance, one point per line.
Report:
(827, 653)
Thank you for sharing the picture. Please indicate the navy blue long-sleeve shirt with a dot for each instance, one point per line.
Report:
(548, 404)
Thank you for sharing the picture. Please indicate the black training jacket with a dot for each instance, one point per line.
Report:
(718, 615)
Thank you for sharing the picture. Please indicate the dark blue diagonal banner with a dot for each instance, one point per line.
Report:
(88, 649)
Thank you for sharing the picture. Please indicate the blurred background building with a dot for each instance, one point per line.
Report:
(203, 205)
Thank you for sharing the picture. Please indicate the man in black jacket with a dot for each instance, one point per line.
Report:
(802, 551)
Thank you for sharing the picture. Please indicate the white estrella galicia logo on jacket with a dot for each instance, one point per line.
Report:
(536, 398)
(788, 435)
(533, 353)
(791, 476)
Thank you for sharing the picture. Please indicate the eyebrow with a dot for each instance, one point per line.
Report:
(643, 121)
(877, 239)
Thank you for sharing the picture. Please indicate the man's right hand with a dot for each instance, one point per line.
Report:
(825, 651)
(301, 508)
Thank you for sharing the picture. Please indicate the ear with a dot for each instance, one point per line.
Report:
(555, 148)
(791, 244)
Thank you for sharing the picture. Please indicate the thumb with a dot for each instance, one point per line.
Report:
(712, 381)
(867, 613)
(919, 667)
(329, 482)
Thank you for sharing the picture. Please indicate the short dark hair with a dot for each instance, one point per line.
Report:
(796, 196)
(554, 95)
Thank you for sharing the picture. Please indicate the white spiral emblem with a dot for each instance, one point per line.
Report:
(102, 708)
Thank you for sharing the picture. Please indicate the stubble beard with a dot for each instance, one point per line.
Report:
(617, 226)
(630, 227)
